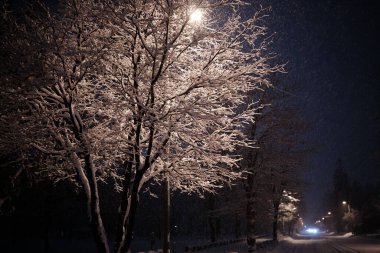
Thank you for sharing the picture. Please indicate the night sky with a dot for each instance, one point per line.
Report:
(333, 54)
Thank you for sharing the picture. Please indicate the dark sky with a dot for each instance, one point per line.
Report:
(333, 52)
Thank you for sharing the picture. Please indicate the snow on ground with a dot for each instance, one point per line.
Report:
(346, 235)
(179, 247)
(346, 243)
(234, 248)
(373, 235)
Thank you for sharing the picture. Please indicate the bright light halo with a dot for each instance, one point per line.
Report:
(196, 16)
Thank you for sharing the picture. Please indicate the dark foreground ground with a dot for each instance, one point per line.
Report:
(296, 244)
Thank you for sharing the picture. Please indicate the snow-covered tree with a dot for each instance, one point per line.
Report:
(177, 88)
(351, 219)
(50, 56)
(276, 163)
(137, 91)
(288, 211)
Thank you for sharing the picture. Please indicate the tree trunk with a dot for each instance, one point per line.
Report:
(89, 179)
(237, 225)
(123, 211)
(276, 205)
(129, 220)
(251, 214)
(89, 184)
(218, 228)
(96, 221)
(211, 218)
(166, 248)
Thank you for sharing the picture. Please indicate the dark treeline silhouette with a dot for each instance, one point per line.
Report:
(354, 206)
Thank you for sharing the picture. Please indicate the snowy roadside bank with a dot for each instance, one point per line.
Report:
(208, 247)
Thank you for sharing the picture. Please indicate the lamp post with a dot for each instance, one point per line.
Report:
(328, 221)
(348, 206)
(349, 214)
(195, 17)
(166, 193)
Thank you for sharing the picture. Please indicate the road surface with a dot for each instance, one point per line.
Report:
(313, 244)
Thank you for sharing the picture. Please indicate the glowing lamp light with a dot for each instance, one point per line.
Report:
(344, 202)
(312, 231)
(196, 16)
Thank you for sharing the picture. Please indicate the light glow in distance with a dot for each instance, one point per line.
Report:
(196, 16)
(312, 231)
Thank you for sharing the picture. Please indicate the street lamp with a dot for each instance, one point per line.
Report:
(349, 213)
(348, 206)
(196, 16)
(328, 221)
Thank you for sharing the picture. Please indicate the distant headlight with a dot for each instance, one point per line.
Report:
(312, 230)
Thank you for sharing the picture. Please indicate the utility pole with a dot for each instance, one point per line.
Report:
(166, 193)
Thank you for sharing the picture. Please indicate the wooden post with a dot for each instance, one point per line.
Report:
(166, 193)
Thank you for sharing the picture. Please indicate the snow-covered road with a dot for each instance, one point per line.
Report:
(315, 244)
